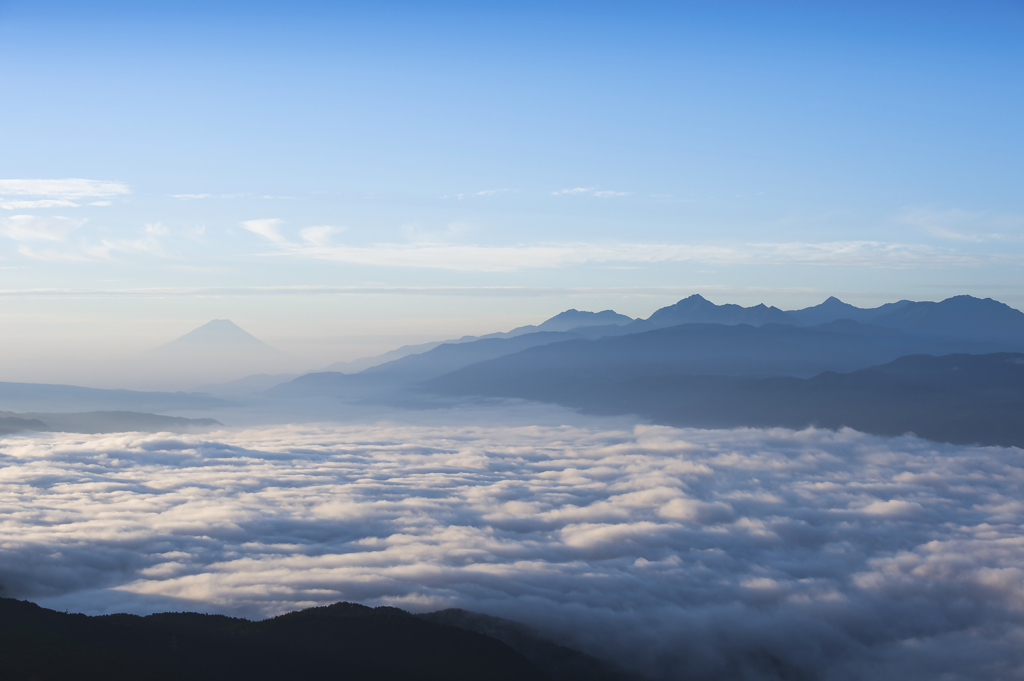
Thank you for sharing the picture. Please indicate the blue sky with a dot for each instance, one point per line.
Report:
(341, 177)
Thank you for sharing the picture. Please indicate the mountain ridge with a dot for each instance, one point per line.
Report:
(343, 640)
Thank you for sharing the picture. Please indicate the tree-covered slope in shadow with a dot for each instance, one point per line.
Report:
(341, 641)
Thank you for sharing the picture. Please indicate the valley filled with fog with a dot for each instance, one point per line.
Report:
(712, 492)
(678, 553)
(563, 341)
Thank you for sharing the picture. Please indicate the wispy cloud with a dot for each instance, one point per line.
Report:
(590, 191)
(266, 228)
(961, 225)
(72, 188)
(106, 249)
(402, 291)
(196, 197)
(27, 228)
(41, 203)
(482, 193)
(52, 255)
(418, 233)
(477, 258)
(34, 228)
(320, 235)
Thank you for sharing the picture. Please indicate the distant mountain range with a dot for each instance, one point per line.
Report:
(100, 422)
(65, 398)
(728, 346)
(960, 398)
(694, 353)
(751, 366)
(343, 640)
(961, 318)
(697, 310)
(833, 309)
(569, 320)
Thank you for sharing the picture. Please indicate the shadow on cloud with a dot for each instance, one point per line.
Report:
(681, 554)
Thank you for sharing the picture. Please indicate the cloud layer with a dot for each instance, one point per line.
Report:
(479, 258)
(71, 188)
(681, 553)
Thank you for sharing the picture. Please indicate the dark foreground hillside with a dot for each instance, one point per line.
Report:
(341, 641)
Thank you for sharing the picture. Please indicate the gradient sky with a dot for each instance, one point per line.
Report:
(341, 178)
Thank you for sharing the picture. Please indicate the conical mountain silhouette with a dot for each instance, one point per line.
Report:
(216, 352)
(218, 333)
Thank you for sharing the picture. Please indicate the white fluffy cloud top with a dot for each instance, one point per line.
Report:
(680, 553)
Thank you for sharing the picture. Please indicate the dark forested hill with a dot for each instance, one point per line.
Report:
(342, 641)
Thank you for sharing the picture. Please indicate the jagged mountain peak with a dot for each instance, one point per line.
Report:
(696, 309)
(573, 318)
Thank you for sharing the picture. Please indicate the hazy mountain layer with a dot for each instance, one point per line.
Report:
(833, 309)
(342, 641)
(245, 386)
(961, 399)
(706, 349)
(415, 368)
(218, 332)
(102, 422)
(563, 321)
(51, 397)
(215, 353)
(959, 317)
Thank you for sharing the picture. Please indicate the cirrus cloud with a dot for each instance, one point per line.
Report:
(510, 258)
(266, 228)
(34, 228)
(589, 191)
(71, 188)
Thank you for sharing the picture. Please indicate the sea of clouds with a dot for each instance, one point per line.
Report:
(682, 554)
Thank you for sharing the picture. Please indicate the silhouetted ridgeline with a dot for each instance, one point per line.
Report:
(960, 317)
(693, 363)
(560, 662)
(341, 641)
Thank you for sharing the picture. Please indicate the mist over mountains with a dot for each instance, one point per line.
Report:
(605, 362)
(711, 492)
(646, 367)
